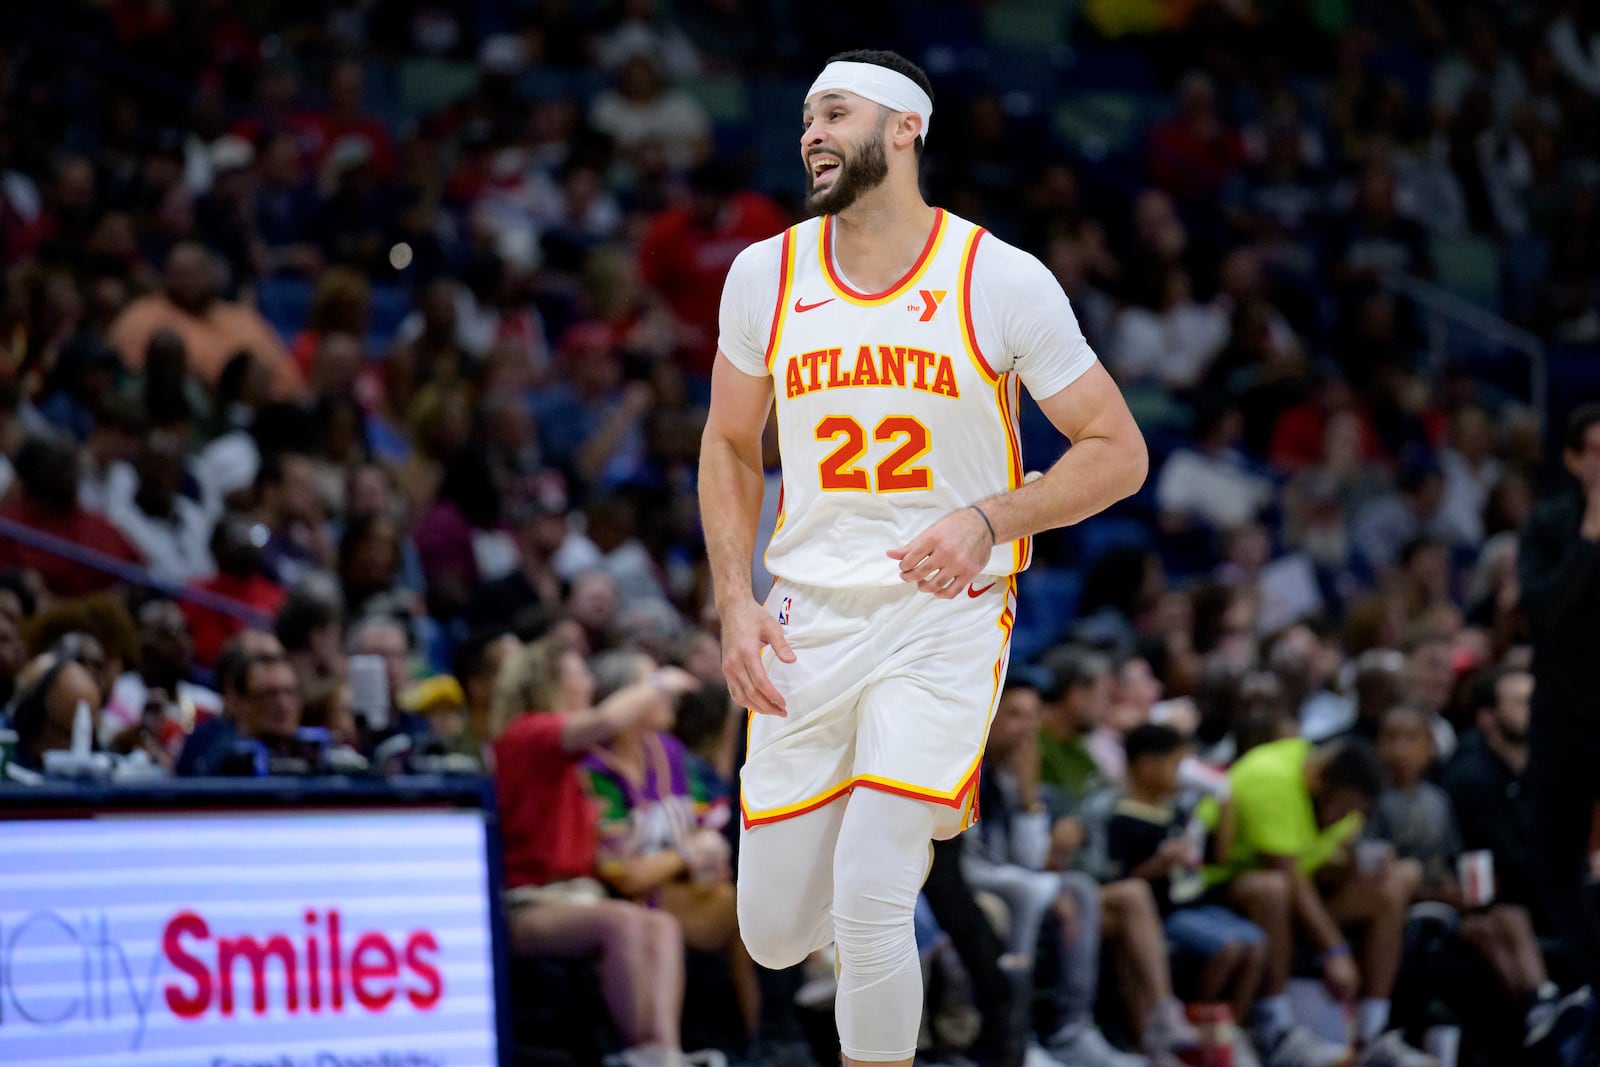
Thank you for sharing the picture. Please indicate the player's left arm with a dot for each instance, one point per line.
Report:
(1106, 462)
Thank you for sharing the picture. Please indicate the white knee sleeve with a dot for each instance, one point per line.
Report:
(879, 866)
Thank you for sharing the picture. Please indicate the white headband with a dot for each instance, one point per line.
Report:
(881, 85)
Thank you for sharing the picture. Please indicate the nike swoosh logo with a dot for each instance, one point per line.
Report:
(976, 593)
(801, 309)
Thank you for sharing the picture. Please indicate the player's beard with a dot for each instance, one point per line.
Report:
(860, 171)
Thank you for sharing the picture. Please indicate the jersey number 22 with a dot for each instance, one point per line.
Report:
(894, 473)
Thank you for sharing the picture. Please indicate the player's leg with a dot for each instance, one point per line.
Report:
(785, 886)
(880, 863)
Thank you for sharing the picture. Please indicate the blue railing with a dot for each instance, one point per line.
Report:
(130, 573)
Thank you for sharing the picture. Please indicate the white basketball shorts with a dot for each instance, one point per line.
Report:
(891, 689)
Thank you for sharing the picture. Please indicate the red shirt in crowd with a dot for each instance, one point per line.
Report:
(1191, 166)
(211, 628)
(65, 577)
(1299, 438)
(546, 819)
(687, 263)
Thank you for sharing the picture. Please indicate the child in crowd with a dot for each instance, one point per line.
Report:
(1148, 836)
(1415, 817)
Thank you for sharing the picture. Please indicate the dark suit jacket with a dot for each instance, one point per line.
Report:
(1560, 578)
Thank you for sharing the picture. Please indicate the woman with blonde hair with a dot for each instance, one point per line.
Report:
(544, 722)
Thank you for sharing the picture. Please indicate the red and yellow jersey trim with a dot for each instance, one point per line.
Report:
(963, 796)
(843, 289)
(1007, 390)
(785, 283)
(1008, 395)
(968, 334)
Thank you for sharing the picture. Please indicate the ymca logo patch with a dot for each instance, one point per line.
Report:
(783, 610)
(931, 299)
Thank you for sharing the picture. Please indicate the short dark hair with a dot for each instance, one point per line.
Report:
(30, 712)
(1483, 689)
(1578, 423)
(230, 666)
(1353, 763)
(1071, 666)
(233, 662)
(700, 715)
(303, 614)
(47, 467)
(882, 57)
(1019, 676)
(11, 581)
(1401, 709)
(473, 652)
(1151, 739)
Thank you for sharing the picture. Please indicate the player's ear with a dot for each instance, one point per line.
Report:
(905, 128)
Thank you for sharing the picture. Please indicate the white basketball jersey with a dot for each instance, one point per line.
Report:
(889, 415)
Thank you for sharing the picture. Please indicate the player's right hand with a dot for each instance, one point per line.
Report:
(745, 632)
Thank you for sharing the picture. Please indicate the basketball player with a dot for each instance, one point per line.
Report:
(895, 337)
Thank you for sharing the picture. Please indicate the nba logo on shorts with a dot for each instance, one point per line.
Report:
(783, 610)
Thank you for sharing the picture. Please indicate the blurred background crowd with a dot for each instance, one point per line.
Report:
(354, 354)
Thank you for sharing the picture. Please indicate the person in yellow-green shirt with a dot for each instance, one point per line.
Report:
(1298, 809)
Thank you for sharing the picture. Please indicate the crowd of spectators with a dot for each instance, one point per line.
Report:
(353, 359)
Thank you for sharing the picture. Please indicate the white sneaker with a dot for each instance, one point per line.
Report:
(661, 1056)
(1169, 1030)
(1554, 1020)
(1391, 1050)
(1089, 1048)
(706, 1057)
(1299, 1047)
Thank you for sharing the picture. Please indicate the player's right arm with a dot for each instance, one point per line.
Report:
(731, 480)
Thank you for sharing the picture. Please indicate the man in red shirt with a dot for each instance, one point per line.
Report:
(1193, 154)
(686, 251)
(345, 119)
(47, 469)
(241, 577)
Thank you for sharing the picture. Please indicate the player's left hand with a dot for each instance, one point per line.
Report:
(945, 557)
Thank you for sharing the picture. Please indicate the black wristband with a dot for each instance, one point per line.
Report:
(992, 539)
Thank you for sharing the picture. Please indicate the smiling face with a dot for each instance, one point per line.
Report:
(842, 146)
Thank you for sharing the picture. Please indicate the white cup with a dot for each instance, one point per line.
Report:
(369, 690)
(1475, 871)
